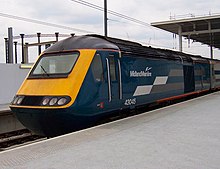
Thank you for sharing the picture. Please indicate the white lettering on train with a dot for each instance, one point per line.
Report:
(145, 73)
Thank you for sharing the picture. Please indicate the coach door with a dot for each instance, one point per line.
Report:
(114, 77)
(189, 78)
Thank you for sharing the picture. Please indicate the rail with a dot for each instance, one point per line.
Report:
(17, 138)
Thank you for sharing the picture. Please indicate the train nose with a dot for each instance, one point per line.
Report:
(43, 122)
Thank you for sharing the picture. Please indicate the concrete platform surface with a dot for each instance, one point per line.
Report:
(8, 120)
(4, 108)
(182, 136)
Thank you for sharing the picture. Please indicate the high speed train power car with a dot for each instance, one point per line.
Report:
(82, 79)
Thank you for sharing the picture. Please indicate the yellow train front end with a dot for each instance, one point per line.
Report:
(50, 89)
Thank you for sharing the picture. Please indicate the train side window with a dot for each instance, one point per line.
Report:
(97, 69)
(112, 67)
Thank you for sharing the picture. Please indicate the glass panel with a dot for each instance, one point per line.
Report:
(112, 67)
(55, 64)
(97, 68)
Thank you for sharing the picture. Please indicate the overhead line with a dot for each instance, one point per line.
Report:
(43, 23)
(111, 12)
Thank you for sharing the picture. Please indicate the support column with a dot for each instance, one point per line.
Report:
(26, 53)
(22, 48)
(16, 52)
(57, 36)
(211, 47)
(39, 46)
(10, 46)
(211, 51)
(6, 50)
(211, 40)
(180, 39)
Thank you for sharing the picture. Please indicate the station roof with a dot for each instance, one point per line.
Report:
(200, 29)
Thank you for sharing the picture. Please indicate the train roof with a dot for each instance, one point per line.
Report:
(82, 42)
(126, 47)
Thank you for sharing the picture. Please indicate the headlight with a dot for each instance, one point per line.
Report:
(45, 101)
(53, 101)
(17, 100)
(62, 101)
(20, 99)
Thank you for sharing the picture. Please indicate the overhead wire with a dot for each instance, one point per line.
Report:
(43, 23)
(112, 12)
(71, 28)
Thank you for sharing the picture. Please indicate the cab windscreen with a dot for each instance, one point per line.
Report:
(54, 65)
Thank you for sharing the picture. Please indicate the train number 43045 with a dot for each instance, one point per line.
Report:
(129, 102)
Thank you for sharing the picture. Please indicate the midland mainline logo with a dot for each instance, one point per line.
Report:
(145, 73)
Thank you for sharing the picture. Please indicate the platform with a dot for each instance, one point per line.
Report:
(4, 108)
(181, 136)
(8, 121)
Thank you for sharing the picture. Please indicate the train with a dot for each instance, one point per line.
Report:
(81, 80)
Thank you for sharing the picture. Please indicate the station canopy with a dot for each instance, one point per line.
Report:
(200, 29)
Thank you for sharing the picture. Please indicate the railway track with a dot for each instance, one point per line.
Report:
(17, 138)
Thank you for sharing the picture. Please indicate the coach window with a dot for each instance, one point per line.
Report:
(97, 68)
(112, 68)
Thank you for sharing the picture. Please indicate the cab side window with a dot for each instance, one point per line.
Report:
(97, 68)
(112, 67)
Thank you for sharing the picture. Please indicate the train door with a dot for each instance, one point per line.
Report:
(114, 78)
(189, 79)
(212, 74)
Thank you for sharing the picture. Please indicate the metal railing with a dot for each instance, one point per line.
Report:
(191, 15)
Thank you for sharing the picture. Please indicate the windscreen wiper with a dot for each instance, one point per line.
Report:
(44, 70)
